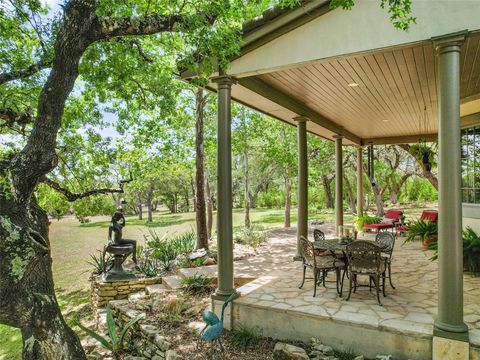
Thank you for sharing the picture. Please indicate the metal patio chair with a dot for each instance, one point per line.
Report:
(365, 258)
(320, 264)
(386, 241)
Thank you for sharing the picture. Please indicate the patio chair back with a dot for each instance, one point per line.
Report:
(318, 235)
(393, 215)
(386, 241)
(308, 251)
(364, 257)
(430, 215)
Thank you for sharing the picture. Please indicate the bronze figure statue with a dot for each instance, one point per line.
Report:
(120, 248)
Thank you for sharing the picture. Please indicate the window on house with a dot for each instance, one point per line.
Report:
(471, 165)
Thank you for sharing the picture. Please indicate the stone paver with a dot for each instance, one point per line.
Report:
(410, 308)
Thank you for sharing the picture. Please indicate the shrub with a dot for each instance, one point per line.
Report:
(424, 229)
(197, 284)
(162, 249)
(185, 243)
(253, 236)
(244, 336)
(364, 220)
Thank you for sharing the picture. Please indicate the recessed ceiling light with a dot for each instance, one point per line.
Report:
(353, 84)
(385, 120)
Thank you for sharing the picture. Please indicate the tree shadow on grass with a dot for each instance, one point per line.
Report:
(162, 221)
(74, 304)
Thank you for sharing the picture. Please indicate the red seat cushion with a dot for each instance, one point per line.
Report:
(429, 215)
(378, 226)
(393, 214)
(401, 228)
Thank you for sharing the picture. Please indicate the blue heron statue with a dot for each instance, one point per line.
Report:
(214, 327)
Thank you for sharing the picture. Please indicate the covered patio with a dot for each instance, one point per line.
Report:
(350, 77)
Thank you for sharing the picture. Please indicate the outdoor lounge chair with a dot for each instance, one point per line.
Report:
(365, 258)
(320, 264)
(390, 221)
(430, 215)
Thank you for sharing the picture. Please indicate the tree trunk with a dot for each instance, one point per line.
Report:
(351, 197)
(27, 295)
(209, 206)
(175, 203)
(140, 211)
(427, 174)
(378, 200)
(328, 192)
(194, 194)
(288, 202)
(187, 200)
(149, 209)
(201, 185)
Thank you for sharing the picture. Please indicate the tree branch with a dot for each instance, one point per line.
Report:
(73, 196)
(24, 73)
(144, 25)
(11, 118)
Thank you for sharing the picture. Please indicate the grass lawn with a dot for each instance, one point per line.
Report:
(72, 243)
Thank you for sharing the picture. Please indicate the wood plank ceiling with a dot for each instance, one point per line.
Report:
(396, 93)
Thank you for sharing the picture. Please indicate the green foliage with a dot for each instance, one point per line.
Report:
(168, 249)
(197, 284)
(54, 203)
(253, 236)
(185, 243)
(471, 250)
(100, 263)
(244, 336)
(424, 229)
(419, 189)
(162, 249)
(365, 219)
(148, 267)
(115, 341)
(345, 355)
(93, 205)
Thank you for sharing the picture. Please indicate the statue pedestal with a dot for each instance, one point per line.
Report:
(117, 273)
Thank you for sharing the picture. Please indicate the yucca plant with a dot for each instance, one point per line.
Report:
(100, 263)
(162, 249)
(185, 243)
(114, 342)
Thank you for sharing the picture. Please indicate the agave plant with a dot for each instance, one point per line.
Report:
(114, 342)
(100, 263)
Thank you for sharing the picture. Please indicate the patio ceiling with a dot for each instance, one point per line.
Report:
(395, 100)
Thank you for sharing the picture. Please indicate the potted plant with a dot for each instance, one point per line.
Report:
(364, 220)
(426, 230)
(471, 250)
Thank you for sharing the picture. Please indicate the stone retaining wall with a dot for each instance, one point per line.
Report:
(145, 339)
(103, 292)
